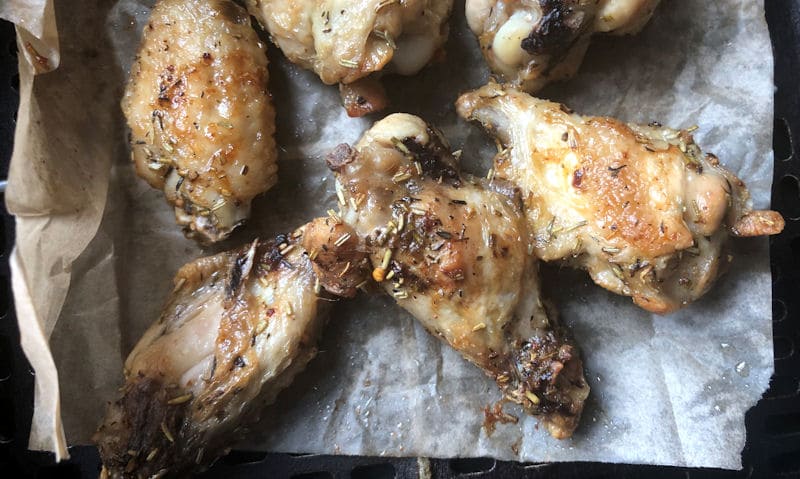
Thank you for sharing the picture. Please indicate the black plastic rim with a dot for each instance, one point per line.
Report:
(773, 425)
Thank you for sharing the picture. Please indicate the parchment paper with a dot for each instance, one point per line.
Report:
(93, 238)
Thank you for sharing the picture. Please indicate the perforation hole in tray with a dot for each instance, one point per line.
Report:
(784, 347)
(779, 311)
(5, 358)
(789, 195)
(782, 140)
(374, 471)
(472, 465)
(5, 296)
(775, 267)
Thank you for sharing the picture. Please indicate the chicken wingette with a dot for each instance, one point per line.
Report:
(344, 41)
(201, 118)
(455, 254)
(641, 208)
(530, 43)
(236, 329)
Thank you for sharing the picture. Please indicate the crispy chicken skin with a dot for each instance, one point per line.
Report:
(641, 208)
(236, 329)
(343, 41)
(201, 118)
(530, 43)
(454, 253)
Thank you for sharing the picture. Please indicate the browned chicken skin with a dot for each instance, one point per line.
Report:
(235, 331)
(530, 43)
(201, 118)
(456, 255)
(640, 207)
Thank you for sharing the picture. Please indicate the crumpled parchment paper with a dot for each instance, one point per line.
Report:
(96, 249)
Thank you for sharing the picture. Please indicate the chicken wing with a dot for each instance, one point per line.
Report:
(530, 43)
(235, 331)
(456, 255)
(640, 207)
(201, 119)
(343, 41)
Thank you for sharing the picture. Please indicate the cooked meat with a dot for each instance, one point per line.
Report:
(236, 329)
(456, 255)
(363, 96)
(344, 40)
(641, 208)
(201, 119)
(531, 43)
(337, 256)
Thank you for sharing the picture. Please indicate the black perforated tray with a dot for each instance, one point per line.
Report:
(773, 425)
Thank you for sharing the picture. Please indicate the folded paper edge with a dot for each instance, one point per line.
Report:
(37, 40)
(47, 431)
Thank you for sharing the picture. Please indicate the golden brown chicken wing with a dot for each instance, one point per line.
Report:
(235, 331)
(201, 118)
(530, 43)
(343, 41)
(456, 255)
(639, 207)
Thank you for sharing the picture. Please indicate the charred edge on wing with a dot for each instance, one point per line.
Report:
(557, 30)
(272, 254)
(435, 158)
(536, 380)
(149, 434)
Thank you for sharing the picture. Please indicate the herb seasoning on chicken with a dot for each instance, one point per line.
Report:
(344, 41)
(201, 118)
(455, 254)
(640, 207)
(236, 329)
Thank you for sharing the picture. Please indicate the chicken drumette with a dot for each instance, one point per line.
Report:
(530, 43)
(455, 253)
(236, 329)
(343, 41)
(641, 208)
(201, 119)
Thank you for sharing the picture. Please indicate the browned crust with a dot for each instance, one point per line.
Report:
(758, 223)
(340, 157)
(545, 376)
(363, 96)
(338, 259)
(560, 25)
(149, 431)
(147, 434)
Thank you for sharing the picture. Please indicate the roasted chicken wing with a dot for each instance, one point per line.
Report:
(201, 118)
(641, 208)
(235, 331)
(343, 41)
(530, 43)
(455, 254)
